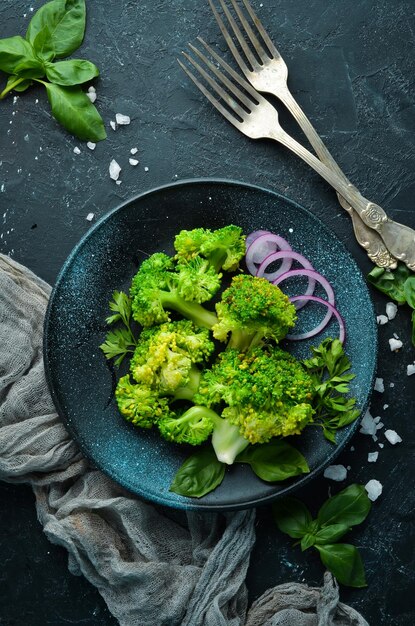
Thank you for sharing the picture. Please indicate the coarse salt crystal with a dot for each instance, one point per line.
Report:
(379, 386)
(410, 369)
(77, 150)
(372, 457)
(382, 319)
(15, 99)
(146, 169)
(385, 406)
(391, 310)
(374, 488)
(352, 448)
(395, 344)
(393, 437)
(91, 145)
(380, 425)
(92, 96)
(335, 472)
(118, 182)
(92, 89)
(134, 150)
(121, 119)
(391, 384)
(377, 419)
(113, 125)
(381, 445)
(90, 217)
(367, 425)
(133, 161)
(114, 169)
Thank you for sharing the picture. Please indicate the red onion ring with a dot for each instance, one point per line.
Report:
(261, 247)
(313, 276)
(319, 328)
(254, 235)
(282, 254)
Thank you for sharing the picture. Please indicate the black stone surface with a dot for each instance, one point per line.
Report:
(352, 69)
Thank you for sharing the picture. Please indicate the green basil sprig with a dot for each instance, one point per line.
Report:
(272, 462)
(56, 30)
(335, 518)
(398, 285)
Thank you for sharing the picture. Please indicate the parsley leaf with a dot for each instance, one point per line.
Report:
(328, 367)
(120, 341)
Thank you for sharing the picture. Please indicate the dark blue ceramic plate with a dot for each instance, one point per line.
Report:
(106, 259)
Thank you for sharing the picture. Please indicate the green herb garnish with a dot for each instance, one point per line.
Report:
(335, 518)
(55, 31)
(328, 367)
(398, 284)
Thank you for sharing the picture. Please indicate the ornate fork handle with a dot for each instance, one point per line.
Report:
(369, 239)
(399, 239)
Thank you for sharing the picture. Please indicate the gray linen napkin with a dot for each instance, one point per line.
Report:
(152, 566)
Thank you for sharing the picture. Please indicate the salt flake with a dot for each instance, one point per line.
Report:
(113, 125)
(374, 488)
(367, 425)
(90, 217)
(114, 169)
(92, 96)
(410, 369)
(391, 310)
(395, 344)
(335, 472)
(379, 386)
(372, 457)
(77, 150)
(393, 437)
(91, 145)
(133, 161)
(122, 120)
(134, 150)
(382, 319)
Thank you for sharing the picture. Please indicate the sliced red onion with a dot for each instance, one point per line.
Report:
(313, 276)
(323, 324)
(254, 235)
(261, 247)
(287, 256)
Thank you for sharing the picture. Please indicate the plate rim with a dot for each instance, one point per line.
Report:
(189, 504)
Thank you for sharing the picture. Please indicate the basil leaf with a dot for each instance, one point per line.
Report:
(413, 328)
(30, 68)
(199, 474)
(43, 44)
(274, 461)
(292, 517)
(14, 52)
(344, 562)
(349, 507)
(73, 72)
(390, 282)
(74, 110)
(329, 534)
(66, 23)
(409, 291)
(22, 85)
(307, 541)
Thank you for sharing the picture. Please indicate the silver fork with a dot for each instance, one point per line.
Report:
(254, 116)
(268, 72)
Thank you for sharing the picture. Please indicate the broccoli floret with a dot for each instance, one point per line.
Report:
(166, 356)
(159, 287)
(223, 248)
(252, 309)
(140, 404)
(194, 426)
(267, 394)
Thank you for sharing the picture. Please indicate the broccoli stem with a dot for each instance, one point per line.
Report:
(242, 341)
(226, 441)
(217, 258)
(190, 310)
(188, 391)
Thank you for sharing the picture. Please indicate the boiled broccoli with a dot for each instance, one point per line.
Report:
(181, 284)
(166, 358)
(140, 404)
(222, 248)
(250, 310)
(261, 394)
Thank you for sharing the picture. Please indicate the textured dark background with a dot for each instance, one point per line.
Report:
(352, 69)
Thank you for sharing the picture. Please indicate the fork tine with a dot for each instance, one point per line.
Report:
(233, 120)
(251, 35)
(228, 38)
(237, 78)
(216, 86)
(232, 88)
(238, 34)
(273, 50)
